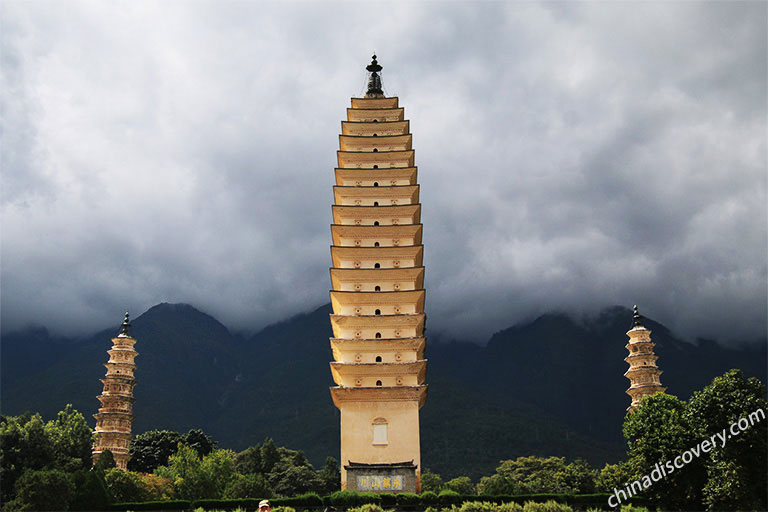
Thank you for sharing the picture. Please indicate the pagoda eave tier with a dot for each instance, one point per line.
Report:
(343, 300)
(644, 389)
(367, 129)
(381, 143)
(641, 357)
(378, 103)
(367, 236)
(369, 115)
(379, 394)
(400, 194)
(339, 346)
(642, 370)
(367, 177)
(118, 378)
(367, 215)
(115, 398)
(342, 276)
(417, 368)
(389, 326)
(345, 257)
(367, 159)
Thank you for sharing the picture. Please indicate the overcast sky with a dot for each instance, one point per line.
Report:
(571, 156)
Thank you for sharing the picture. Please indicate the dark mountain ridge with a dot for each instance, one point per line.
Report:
(552, 386)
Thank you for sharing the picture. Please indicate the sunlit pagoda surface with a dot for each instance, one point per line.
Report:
(377, 296)
(643, 374)
(113, 421)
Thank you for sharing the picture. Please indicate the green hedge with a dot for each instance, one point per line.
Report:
(152, 505)
(348, 499)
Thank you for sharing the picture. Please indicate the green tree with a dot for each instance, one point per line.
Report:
(495, 484)
(330, 477)
(252, 485)
(195, 478)
(90, 490)
(106, 461)
(657, 431)
(125, 485)
(737, 471)
(151, 449)
(198, 440)
(431, 482)
(612, 476)
(24, 445)
(461, 484)
(43, 490)
(72, 440)
(578, 477)
(248, 461)
(295, 480)
(269, 455)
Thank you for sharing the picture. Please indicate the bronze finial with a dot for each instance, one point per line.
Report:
(374, 80)
(637, 319)
(125, 327)
(373, 67)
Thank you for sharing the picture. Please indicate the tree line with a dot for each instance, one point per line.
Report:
(47, 466)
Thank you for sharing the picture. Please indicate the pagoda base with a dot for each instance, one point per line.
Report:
(383, 477)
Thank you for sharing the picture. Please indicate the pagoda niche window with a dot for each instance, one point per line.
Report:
(378, 312)
(380, 428)
(377, 265)
(377, 288)
(376, 244)
(378, 335)
(378, 383)
(375, 183)
(378, 359)
(375, 223)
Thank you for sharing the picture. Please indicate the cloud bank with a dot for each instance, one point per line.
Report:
(571, 156)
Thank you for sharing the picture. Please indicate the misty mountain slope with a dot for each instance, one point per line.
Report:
(553, 386)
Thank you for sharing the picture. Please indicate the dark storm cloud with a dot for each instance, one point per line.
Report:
(571, 157)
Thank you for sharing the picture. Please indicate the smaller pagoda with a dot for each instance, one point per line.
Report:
(113, 421)
(643, 374)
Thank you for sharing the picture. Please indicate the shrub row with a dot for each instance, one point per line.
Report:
(348, 499)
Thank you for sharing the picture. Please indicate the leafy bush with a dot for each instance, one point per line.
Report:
(348, 499)
(407, 499)
(388, 500)
(427, 498)
(125, 485)
(284, 509)
(448, 497)
(478, 506)
(547, 506)
(44, 490)
(368, 507)
(509, 506)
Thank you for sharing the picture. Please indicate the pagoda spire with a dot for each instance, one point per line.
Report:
(643, 374)
(113, 421)
(125, 327)
(374, 80)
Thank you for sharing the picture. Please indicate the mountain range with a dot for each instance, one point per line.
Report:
(551, 386)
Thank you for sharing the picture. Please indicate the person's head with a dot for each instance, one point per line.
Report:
(264, 506)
